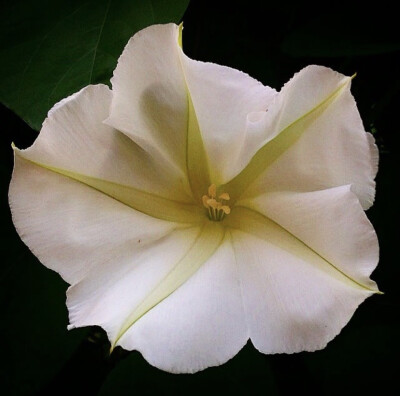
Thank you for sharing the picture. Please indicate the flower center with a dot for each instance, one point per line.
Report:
(216, 209)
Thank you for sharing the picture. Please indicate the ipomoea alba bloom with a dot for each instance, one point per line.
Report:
(191, 208)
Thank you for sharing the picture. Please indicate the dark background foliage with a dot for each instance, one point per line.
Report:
(270, 41)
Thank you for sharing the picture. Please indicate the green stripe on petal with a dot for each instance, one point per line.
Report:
(180, 34)
(144, 202)
(196, 157)
(272, 150)
(209, 239)
(255, 223)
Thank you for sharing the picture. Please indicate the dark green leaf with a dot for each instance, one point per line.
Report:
(51, 49)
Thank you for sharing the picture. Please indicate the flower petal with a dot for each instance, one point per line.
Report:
(205, 244)
(331, 222)
(222, 99)
(161, 96)
(71, 227)
(295, 300)
(150, 102)
(75, 143)
(291, 305)
(111, 290)
(305, 265)
(200, 325)
(177, 300)
(319, 141)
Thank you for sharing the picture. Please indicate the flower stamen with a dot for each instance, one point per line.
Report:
(216, 207)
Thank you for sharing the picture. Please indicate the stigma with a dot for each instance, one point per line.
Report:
(216, 208)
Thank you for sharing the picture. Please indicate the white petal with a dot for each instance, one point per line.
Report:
(298, 298)
(292, 303)
(223, 98)
(320, 140)
(150, 97)
(74, 142)
(305, 262)
(112, 290)
(71, 227)
(74, 138)
(331, 222)
(200, 325)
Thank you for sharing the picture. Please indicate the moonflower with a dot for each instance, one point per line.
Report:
(191, 208)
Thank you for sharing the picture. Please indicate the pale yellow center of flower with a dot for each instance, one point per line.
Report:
(216, 208)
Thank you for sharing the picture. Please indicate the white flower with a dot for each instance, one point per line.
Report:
(192, 208)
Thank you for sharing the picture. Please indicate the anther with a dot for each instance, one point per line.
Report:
(212, 191)
(225, 196)
(216, 208)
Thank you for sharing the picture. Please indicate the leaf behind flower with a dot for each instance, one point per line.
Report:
(50, 50)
